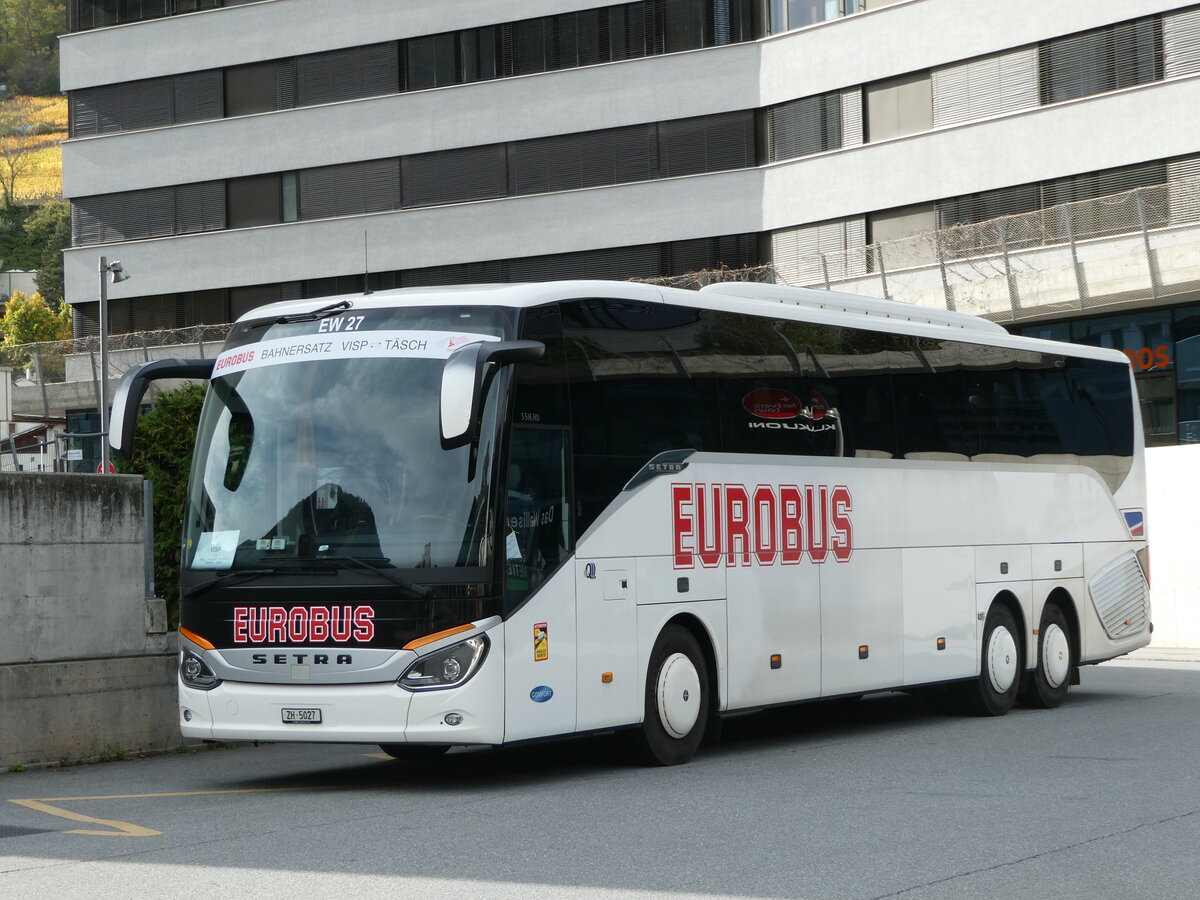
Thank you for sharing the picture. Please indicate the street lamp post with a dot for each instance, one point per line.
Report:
(118, 274)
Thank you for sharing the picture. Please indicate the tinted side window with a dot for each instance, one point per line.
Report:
(932, 406)
(776, 397)
(537, 527)
(634, 393)
(1103, 405)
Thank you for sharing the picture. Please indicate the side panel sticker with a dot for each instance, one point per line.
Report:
(541, 642)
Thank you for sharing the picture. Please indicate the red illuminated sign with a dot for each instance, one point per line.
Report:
(1147, 359)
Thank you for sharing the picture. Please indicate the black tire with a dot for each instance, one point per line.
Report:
(1046, 687)
(414, 751)
(995, 690)
(669, 735)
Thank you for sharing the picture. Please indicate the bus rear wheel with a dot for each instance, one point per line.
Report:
(995, 690)
(677, 700)
(1047, 686)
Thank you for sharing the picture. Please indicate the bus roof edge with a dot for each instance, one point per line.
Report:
(851, 303)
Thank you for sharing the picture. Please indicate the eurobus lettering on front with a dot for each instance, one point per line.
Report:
(762, 525)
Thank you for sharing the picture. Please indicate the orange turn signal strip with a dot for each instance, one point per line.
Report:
(436, 636)
(196, 639)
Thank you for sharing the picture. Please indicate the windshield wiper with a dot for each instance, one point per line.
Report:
(248, 574)
(417, 590)
(322, 313)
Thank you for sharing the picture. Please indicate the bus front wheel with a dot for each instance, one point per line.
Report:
(995, 690)
(1047, 685)
(677, 700)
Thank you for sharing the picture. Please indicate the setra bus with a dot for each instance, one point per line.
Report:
(482, 515)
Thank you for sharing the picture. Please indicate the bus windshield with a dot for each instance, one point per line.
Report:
(320, 440)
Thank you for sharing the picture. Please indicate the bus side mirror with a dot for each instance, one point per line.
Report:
(463, 383)
(132, 387)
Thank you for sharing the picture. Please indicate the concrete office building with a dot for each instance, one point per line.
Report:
(233, 153)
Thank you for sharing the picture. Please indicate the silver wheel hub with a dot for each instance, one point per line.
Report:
(1001, 659)
(678, 693)
(1056, 656)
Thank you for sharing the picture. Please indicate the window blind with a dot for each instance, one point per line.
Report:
(983, 87)
(706, 144)
(347, 74)
(1181, 43)
(805, 126)
(453, 176)
(797, 252)
(198, 96)
(1103, 59)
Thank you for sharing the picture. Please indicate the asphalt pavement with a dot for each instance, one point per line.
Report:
(884, 798)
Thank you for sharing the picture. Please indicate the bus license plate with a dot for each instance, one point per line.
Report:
(293, 716)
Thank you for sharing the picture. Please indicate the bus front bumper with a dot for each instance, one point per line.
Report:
(349, 713)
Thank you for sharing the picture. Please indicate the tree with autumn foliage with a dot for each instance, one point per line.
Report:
(31, 320)
(29, 31)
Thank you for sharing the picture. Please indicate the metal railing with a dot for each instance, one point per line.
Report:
(1139, 245)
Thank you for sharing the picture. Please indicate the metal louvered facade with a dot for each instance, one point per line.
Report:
(1121, 597)
(543, 165)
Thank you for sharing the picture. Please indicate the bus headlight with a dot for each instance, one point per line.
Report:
(446, 668)
(195, 673)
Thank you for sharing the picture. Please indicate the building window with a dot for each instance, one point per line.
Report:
(291, 198)
(545, 44)
(542, 165)
(805, 126)
(1187, 373)
(787, 14)
(257, 200)
(1104, 59)
(899, 106)
(251, 89)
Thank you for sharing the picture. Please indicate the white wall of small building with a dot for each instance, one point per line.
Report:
(1173, 520)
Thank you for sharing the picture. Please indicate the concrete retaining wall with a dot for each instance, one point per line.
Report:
(86, 664)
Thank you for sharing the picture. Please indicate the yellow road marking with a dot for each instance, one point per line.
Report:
(128, 829)
(119, 829)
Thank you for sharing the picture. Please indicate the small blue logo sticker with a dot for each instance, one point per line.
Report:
(541, 694)
(589, 571)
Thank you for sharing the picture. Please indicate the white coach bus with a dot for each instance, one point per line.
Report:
(484, 515)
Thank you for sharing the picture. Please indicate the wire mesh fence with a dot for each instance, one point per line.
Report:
(53, 376)
(1140, 245)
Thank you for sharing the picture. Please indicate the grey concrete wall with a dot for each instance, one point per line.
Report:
(86, 664)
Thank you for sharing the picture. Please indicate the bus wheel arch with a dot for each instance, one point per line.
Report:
(1002, 655)
(679, 690)
(1057, 653)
